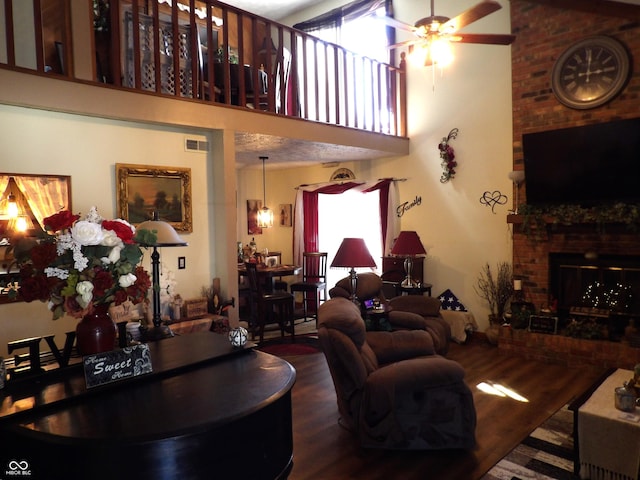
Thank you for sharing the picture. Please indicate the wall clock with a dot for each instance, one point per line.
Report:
(590, 72)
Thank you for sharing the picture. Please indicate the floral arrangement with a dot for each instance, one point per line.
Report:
(448, 157)
(81, 264)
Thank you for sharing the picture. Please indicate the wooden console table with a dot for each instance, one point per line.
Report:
(207, 411)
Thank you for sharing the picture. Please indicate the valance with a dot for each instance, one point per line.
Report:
(339, 15)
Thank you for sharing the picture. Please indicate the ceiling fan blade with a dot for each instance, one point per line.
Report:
(469, 16)
(404, 44)
(485, 38)
(392, 22)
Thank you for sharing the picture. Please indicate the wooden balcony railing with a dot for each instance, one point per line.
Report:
(206, 51)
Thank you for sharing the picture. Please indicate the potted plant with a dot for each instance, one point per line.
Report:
(496, 290)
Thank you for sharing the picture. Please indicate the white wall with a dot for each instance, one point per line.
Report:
(35, 141)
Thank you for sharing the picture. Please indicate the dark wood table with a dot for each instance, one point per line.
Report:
(269, 274)
(207, 411)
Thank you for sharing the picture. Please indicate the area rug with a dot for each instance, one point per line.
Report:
(282, 347)
(545, 454)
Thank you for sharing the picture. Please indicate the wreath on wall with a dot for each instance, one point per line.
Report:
(448, 157)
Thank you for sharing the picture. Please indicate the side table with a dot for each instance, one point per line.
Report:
(418, 290)
(376, 320)
(608, 439)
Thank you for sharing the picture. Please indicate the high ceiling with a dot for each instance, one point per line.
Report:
(279, 9)
(286, 152)
(273, 9)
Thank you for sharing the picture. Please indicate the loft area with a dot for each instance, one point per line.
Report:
(215, 54)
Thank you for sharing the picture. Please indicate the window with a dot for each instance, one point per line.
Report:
(354, 28)
(362, 221)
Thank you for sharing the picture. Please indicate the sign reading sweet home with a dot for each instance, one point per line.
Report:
(120, 364)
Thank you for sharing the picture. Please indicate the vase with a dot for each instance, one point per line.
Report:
(96, 332)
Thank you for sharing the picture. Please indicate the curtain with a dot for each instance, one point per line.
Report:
(305, 230)
(336, 17)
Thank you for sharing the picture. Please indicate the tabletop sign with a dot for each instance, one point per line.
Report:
(542, 324)
(119, 364)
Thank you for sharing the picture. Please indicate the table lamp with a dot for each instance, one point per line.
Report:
(408, 245)
(166, 236)
(353, 253)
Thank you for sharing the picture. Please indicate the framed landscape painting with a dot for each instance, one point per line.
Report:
(143, 190)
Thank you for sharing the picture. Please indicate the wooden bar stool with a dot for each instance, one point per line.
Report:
(314, 282)
(272, 307)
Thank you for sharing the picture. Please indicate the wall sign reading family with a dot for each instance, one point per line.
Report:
(143, 189)
(404, 207)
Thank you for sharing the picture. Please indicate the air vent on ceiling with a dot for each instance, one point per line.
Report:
(195, 145)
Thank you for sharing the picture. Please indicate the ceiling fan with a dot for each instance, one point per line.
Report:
(435, 32)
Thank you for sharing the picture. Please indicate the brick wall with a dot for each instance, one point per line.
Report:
(543, 32)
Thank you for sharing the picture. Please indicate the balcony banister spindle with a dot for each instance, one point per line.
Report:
(194, 40)
(155, 13)
(9, 33)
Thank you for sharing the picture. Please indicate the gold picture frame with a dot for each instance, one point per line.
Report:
(143, 189)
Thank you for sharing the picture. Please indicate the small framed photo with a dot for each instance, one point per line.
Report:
(271, 261)
(144, 189)
(284, 212)
(253, 206)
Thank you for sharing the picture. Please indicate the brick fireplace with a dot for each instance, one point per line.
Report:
(544, 29)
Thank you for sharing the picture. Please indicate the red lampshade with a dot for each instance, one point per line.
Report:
(353, 252)
(408, 243)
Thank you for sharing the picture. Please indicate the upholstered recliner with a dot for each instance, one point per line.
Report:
(405, 312)
(393, 391)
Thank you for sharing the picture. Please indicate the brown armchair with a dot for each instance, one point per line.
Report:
(404, 312)
(393, 391)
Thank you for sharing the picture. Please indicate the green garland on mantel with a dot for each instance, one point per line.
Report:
(536, 218)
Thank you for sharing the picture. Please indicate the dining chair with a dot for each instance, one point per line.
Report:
(267, 308)
(314, 282)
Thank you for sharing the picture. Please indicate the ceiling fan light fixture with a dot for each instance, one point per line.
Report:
(441, 52)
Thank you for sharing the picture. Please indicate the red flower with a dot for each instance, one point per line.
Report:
(121, 229)
(43, 254)
(73, 308)
(59, 221)
(34, 288)
(138, 291)
(121, 296)
(102, 282)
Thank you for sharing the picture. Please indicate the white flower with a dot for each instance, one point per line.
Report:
(111, 239)
(114, 255)
(80, 262)
(93, 216)
(56, 272)
(127, 280)
(85, 293)
(87, 233)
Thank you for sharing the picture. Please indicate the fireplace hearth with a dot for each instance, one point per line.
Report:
(556, 273)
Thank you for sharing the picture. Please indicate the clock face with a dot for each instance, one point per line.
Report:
(590, 73)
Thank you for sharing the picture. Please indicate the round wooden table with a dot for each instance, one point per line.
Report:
(208, 417)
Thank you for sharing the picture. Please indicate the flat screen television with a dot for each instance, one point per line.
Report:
(590, 165)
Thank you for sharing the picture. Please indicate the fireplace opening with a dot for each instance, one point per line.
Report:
(603, 290)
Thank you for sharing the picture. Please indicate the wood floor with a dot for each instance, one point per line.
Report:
(324, 450)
